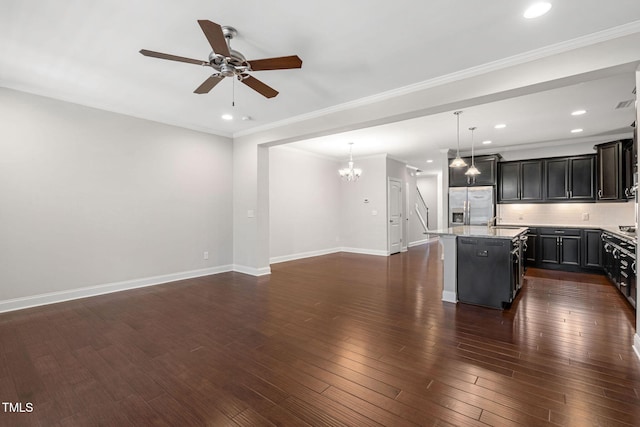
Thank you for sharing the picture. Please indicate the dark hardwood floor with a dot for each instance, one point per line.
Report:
(336, 340)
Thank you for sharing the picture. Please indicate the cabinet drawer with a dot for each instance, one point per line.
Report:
(560, 231)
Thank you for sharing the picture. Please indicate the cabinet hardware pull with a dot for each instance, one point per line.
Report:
(600, 193)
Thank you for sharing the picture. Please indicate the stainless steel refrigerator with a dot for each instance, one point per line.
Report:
(471, 205)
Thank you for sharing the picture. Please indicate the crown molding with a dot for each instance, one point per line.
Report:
(519, 59)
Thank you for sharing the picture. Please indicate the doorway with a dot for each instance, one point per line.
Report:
(394, 204)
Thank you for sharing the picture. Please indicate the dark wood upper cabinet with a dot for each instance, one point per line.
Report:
(582, 173)
(520, 181)
(509, 182)
(616, 165)
(531, 178)
(488, 167)
(570, 178)
(609, 171)
(557, 182)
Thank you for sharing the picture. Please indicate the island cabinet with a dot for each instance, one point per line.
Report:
(570, 178)
(488, 167)
(520, 181)
(616, 165)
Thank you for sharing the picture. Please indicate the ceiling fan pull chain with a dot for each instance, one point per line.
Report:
(233, 92)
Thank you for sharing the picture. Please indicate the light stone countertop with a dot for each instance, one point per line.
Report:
(499, 232)
(613, 229)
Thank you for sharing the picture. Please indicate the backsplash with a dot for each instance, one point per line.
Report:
(569, 214)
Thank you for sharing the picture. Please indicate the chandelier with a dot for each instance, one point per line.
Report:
(350, 173)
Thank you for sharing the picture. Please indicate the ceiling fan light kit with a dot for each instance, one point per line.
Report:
(228, 62)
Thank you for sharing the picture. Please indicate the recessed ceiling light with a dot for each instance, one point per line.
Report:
(537, 9)
(578, 112)
(487, 142)
(227, 117)
(500, 126)
(429, 161)
(576, 130)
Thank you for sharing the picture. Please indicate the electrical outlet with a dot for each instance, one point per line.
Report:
(585, 216)
(205, 255)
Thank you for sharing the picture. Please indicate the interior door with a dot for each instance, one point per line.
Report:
(394, 203)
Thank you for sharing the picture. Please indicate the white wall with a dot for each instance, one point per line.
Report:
(363, 225)
(304, 204)
(91, 198)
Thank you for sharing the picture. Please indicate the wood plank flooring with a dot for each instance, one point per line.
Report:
(337, 340)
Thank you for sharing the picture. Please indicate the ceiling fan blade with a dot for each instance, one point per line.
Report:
(215, 36)
(209, 84)
(280, 63)
(171, 57)
(260, 87)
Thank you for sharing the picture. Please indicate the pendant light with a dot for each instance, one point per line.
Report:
(350, 173)
(473, 170)
(458, 162)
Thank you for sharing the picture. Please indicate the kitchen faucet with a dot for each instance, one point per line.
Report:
(492, 222)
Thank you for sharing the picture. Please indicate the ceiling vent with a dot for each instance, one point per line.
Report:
(624, 104)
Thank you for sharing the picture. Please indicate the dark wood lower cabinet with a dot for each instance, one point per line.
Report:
(560, 246)
(592, 249)
(570, 249)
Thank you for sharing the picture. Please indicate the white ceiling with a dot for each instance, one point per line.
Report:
(87, 52)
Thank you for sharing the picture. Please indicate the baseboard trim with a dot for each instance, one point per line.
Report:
(448, 296)
(420, 242)
(90, 291)
(375, 252)
(252, 271)
(636, 345)
(302, 255)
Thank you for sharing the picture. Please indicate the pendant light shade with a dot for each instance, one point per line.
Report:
(458, 162)
(473, 170)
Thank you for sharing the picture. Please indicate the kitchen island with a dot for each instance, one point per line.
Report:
(483, 249)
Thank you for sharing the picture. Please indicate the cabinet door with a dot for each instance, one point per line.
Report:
(531, 180)
(530, 254)
(549, 249)
(608, 171)
(557, 177)
(508, 184)
(582, 171)
(487, 168)
(592, 249)
(457, 178)
(629, 166)
(570, 250)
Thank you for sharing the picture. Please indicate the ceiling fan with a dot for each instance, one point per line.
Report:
(231, 63)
